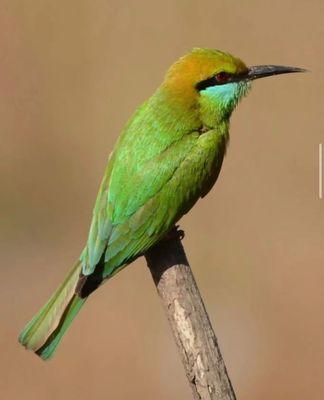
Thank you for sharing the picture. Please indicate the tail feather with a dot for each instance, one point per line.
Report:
(45, 331)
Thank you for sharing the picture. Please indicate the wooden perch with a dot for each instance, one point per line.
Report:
(191, 327)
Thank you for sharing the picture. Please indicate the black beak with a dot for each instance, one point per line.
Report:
(261, 71)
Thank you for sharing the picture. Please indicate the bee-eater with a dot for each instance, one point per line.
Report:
(168, 156)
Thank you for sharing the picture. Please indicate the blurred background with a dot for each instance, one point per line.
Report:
(71, 74)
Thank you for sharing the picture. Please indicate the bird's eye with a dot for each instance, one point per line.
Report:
(219, 79)
(222, 77)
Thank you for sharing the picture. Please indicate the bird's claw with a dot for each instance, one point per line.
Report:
(180, 233)
(174, 233)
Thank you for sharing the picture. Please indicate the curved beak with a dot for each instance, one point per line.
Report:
(261, 71)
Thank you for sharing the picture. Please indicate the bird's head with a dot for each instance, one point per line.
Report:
(213, 82)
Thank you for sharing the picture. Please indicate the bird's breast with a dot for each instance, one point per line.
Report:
(211, 148)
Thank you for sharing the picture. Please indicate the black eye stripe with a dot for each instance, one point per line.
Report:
(212, 81)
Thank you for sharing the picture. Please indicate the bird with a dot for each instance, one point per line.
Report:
(167, 157)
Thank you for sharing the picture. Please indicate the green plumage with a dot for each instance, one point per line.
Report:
(44, 332)
(157, 172)
(168, 156)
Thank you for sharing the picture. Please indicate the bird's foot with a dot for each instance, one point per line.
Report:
(174, 233)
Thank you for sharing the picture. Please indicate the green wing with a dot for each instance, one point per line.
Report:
(150, 182)
(148, 205)
(125, 204)
(101, 225)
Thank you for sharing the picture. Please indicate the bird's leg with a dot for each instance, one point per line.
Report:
(174, 233)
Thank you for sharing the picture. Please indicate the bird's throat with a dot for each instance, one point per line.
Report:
(218, 102)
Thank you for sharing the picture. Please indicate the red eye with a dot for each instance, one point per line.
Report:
(222, 77)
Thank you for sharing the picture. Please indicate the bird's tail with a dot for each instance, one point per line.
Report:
(45, 331)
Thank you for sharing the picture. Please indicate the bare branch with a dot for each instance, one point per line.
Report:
(192, 330)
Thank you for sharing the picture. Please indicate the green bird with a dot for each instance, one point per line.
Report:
(168, 156)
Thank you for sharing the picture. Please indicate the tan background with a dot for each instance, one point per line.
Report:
(71, 73)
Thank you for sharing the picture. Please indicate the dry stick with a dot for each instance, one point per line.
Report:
(192, 330)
